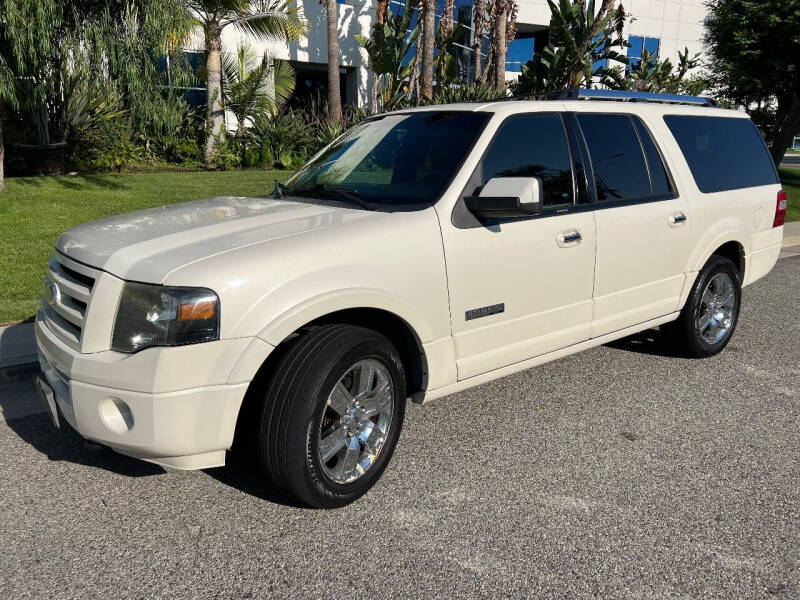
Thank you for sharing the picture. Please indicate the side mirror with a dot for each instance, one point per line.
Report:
(507, 197)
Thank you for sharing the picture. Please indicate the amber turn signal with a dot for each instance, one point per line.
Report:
(196, 311)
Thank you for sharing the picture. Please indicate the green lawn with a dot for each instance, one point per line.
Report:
(34, 211)
(791, 183)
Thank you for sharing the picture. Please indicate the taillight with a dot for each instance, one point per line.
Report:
(780, 210)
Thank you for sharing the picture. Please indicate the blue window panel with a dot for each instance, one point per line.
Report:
(636, 44)
(652, 45)
(520, 51)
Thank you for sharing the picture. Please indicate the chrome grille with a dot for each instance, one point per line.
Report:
(68, 288)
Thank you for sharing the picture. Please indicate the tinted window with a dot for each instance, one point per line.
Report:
(532, 146)
(396, 159)
(662, 187)
(723, 153)
(620, 172)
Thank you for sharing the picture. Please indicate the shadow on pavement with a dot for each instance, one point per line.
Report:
(66, 444)
(244, 474)
(651, 342)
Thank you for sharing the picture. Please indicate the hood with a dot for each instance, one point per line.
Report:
(149, 244)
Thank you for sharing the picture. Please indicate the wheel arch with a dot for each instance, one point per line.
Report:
(729, 245)
(396, 328)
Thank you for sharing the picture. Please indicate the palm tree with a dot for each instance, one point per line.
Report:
(478, 27)
(387, 48)
(444, 38)
(428, 43)
(334, 91)
(381, 8)
(252, 88)
(499, 28)
(579, 39)
(263, 19)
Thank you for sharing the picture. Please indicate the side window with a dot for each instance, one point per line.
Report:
(662, 185)
(620, 171)
(532, 145)
(724, 153)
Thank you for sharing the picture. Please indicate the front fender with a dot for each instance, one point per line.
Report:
(323, 304)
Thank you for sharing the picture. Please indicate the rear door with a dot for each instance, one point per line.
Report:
(643, 225)
(521, 287)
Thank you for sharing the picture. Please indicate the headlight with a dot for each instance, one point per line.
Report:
(155, 315)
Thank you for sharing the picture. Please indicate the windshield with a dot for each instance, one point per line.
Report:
(392, 160)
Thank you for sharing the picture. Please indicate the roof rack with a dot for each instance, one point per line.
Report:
(627, 96)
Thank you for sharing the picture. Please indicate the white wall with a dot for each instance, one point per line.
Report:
(678, 23)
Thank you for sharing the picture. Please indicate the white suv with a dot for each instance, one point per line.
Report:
(422, 253)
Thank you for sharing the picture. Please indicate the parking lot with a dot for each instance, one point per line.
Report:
(618, 472)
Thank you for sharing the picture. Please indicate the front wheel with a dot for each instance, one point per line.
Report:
(709, 317)
(332, 415)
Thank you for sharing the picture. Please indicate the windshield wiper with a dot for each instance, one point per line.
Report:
(338, 193)
(279, 189)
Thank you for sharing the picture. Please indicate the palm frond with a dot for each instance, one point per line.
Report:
(272, 21)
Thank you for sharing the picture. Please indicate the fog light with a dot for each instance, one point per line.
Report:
(116, 415)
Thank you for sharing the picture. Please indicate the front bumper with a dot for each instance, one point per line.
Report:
(171, 406)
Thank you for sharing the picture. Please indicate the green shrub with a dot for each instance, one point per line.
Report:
(283, 140)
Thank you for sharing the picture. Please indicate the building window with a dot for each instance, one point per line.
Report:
(637, 44)
(520, 51)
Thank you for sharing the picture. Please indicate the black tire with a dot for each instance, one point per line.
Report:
(295, 404)
(684, 334)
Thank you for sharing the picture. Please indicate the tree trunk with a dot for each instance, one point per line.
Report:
(787, 124)
(2, 157)
(334, 91)
(428, 42)
(500, 46)
(446, 27)
(381, 9)
(216, 116)
(477, 37)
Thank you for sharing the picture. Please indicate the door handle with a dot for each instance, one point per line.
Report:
(569, 238)
(677, 219)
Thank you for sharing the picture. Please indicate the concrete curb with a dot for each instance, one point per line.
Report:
(17, 345)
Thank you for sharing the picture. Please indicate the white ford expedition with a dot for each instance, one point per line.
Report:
(421, 253)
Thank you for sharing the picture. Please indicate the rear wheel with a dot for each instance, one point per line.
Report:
(709, 317)
(332, 415)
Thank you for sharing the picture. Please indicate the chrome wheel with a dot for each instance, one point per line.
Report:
(356, 421)
(717, 309)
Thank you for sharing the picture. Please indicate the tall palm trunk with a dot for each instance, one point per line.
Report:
(380, 19)
(428, 42)
(334, 91)
(499, 42)
(478, 23)
(446, 28)
(216, 119)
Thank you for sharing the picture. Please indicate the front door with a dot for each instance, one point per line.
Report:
(521, 287)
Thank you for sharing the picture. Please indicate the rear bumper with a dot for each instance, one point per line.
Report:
(186, 429)
(766, 248)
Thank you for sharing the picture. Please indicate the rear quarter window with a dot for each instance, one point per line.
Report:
(723, 153)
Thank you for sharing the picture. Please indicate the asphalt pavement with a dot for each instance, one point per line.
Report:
(620, 472)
